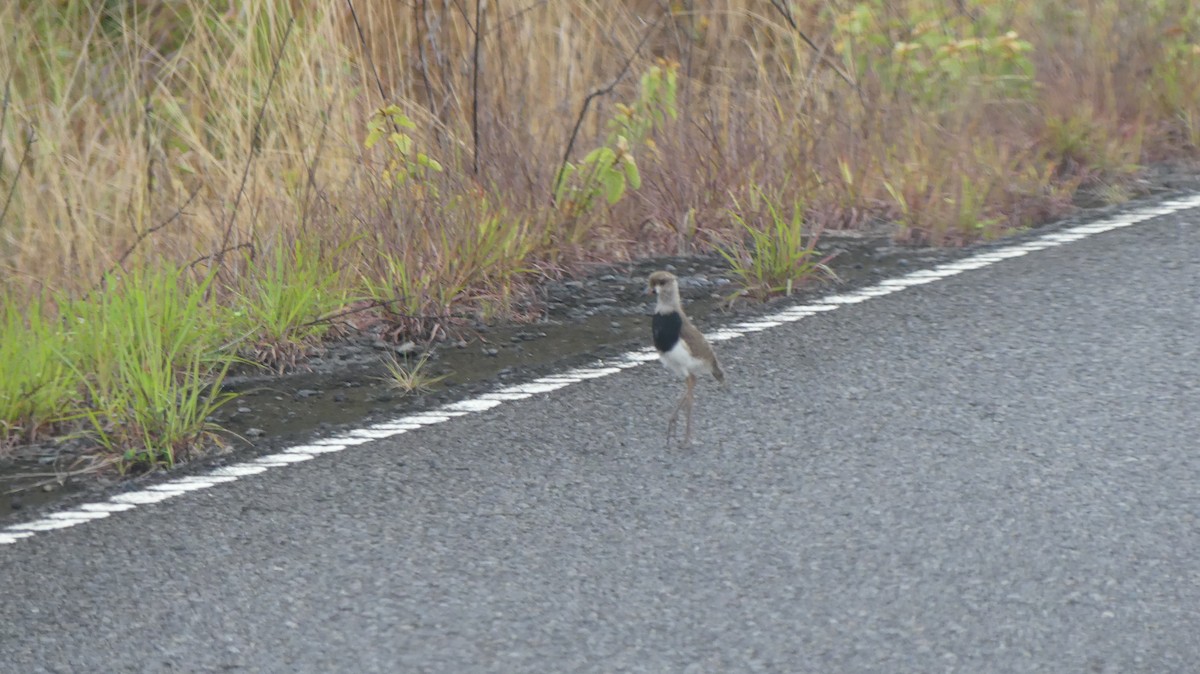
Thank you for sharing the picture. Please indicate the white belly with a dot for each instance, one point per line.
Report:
(680, 361)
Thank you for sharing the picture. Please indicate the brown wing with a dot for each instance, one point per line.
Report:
(700, 348)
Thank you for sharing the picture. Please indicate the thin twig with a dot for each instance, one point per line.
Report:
(783, 10)
(254, 137)
(475, 82)
(220, 254)
(148, 111)
(363, 40)
(558, 176)
(515, 15)
(142, 236)
(4, 113)
(786, 12)
(311, 185)
(418, 19)
(687, 68)
(503, 53)
(30, 137)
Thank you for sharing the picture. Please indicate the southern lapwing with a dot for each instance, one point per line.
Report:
(682, 348)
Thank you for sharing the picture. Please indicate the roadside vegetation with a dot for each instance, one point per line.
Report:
(189, 185)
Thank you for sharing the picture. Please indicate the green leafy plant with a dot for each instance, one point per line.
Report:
(775, 258)
(612, 168)
(477, 261)
(950, 207)
(939, 59)
(491, 253)
(404, 162)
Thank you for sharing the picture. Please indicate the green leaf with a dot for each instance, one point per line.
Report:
(614, 186)
(631, 172)
(650, 84)
(429, 163)
(376, 132)
(602, 156)
(402, 142)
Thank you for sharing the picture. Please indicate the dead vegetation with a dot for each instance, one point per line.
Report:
(427, 160)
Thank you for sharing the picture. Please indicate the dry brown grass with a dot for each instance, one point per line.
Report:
(231, 136)
(135, 111)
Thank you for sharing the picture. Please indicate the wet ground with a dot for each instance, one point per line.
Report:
(601, 314)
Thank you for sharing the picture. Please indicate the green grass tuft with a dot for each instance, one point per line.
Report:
(279, 305)
(36, 385)
(410, 378)
(776, 258)
(147, 352)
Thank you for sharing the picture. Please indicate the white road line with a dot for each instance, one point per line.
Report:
(316, 449)
(492, 399)
(79, 515)
(106, 507)
(343, 440)
(475, 404)
(594, 372)
(239, 470)
(375, 433)
(848, 298)
(144, 497)
(283, 458)
(504, 396)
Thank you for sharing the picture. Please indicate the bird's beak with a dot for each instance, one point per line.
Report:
(649, 290)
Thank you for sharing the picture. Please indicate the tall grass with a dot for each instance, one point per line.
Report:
(458, 149)
(135, 106)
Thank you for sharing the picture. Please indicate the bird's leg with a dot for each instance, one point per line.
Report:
(674, 417)
(690, 398)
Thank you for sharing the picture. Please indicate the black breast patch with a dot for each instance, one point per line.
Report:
(666, 330)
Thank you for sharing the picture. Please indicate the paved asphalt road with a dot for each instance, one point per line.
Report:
(996, 472)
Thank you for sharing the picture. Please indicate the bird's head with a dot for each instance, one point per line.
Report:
(662, 283)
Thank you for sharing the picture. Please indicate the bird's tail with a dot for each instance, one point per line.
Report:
(718, 373)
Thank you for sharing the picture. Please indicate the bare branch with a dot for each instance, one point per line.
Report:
(30, 137)
(418, 19)
(142, 236)
(366, 51)
(4, 113)
(221, 253)
(478, 27)
(602, 91)
(784, 11)
(254, 138)
(310, 186)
